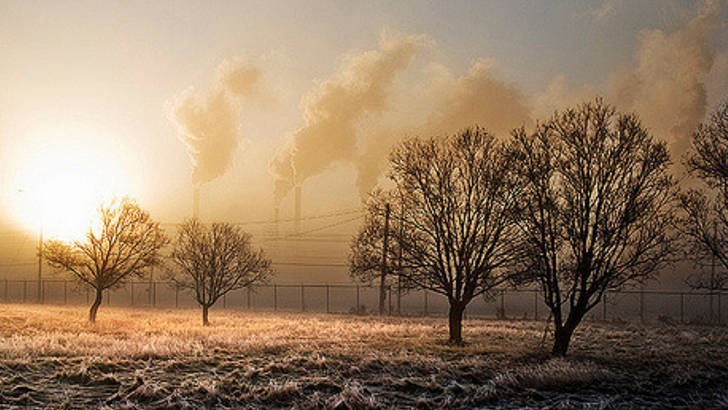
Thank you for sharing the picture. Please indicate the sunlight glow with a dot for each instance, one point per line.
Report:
(60, 187)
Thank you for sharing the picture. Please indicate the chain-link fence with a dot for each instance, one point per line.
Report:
(626, 305)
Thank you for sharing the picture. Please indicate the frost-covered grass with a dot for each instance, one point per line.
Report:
(50, 356)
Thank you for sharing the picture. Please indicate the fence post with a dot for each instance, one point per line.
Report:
(176, 295)
(25, 290)
(42, 291)
(65, 292)
(224, 301)
(131, 285)
(425, 311)
(503, 303)
(275, 298)
(154, 294)
(682, 308)
(535, 305)
(108, 297)
(303, 300)
(390, 300)
(719, 293)
(642, 305)
(328, 309)
(399, 297)
(250, 298)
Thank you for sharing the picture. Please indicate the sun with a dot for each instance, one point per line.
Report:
(60, 187)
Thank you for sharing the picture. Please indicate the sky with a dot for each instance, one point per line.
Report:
(117, 94)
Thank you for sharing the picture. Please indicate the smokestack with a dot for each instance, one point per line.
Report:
(333, 109)
(196, 202)
(298, 208)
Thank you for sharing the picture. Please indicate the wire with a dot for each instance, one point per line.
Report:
(295, 235)
(273, 221)
(9, 265)
(338, 265)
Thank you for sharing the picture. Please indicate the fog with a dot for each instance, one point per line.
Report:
(249, 106)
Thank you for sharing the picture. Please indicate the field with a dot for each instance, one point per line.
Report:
(134, 358)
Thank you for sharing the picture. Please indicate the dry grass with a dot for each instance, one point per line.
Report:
(50, 357)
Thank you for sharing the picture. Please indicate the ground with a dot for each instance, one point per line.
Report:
(141, 358)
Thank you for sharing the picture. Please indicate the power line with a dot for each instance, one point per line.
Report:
(10, 265)
(273, 221)
(308, 218)
(295, 235)
(337, 265)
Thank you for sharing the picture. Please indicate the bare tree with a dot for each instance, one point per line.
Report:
(214, 260)
(597, 209)
(375, 240)
(456, 197)
(708, 158)
(126, 244)
(704, 227)
(704, 220)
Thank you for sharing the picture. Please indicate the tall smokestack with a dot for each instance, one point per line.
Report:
(196, 202)
(333, 109)
(298, 208)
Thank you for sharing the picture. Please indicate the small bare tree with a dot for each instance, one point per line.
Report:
(214, 260)
(455, 199)
(704, 220)
(126, 244)
(597, 210)
(372, 259)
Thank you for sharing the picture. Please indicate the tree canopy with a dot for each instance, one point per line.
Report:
(126, 244)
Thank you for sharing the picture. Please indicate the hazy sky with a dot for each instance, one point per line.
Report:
(97, 83)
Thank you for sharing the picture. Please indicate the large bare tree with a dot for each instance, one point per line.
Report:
(212, 260)
(455, 198)
(597, 211)
(704, 220)
(125, 244)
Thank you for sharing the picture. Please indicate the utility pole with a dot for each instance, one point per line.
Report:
(712, 269)
(399, 259)
(383, 277)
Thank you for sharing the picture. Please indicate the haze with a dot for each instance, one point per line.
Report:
(247, 100)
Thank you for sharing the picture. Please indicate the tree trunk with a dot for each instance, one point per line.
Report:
(562, 337)
(456, 322)
(95, 305)
(205, 320)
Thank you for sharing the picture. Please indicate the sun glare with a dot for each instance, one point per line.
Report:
(60, 188)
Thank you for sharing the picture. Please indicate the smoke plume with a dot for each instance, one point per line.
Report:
(209, 123)
(478, 98)
(560, 94)
(333, 109)
(666, 87)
